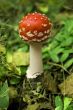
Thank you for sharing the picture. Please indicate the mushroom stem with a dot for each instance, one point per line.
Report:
(36, 65)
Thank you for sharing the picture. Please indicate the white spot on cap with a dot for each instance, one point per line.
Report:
(44, 25)
(35, 32)
(40, 34)
(44, 16)
(29, 34)
(41, 18)
(25, 38)
(45, 32)
(48, 31)
(45, 37)
(33, 13)
(23, 29)
(26, 17)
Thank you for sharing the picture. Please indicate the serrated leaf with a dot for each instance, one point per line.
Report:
(4, 96)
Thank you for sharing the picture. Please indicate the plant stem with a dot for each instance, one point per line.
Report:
(36, 65)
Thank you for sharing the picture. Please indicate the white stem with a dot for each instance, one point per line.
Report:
(36, 65)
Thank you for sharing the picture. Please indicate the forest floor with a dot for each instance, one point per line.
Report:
(53, 90)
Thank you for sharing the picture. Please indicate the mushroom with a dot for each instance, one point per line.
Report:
(34, 29)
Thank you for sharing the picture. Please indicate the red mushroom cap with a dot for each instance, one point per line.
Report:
(35, 27)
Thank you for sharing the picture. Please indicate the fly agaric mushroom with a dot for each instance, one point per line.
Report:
(35, 28)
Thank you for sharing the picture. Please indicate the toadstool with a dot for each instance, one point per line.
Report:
(34, 29)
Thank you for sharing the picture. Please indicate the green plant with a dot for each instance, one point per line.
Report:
(60, 48)
(4, 96)
(63, 104)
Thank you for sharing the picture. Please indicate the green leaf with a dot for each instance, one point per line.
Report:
(23, 49)
(58, 103)
(67, 42)
(43, 8)
(4, 96)
(69, 25)
(54, 56)
(64, 56)
(68, 63)
(60, 36)
(70, 107)
(58, 108)
(20, 58)
(12, 92)
(67, 101)
(53, 44)
(9, 57)
(33, 106)
(14, 80)
(58, 50)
